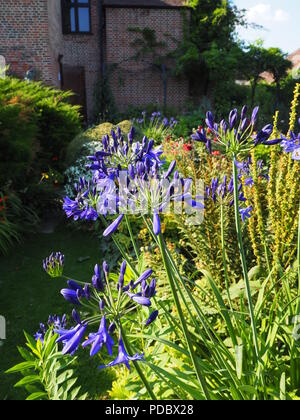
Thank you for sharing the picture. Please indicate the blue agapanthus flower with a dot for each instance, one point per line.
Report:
(292, 145)
(123, 358)
(72, 338)
(246, 213)
(102, 337)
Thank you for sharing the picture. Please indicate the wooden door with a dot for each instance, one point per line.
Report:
(73, 78)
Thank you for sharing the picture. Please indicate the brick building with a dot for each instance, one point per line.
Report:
(72, 44)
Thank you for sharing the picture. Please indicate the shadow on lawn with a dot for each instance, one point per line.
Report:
(28, 296)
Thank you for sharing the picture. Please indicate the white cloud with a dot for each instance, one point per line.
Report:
(281, 16)
(263, 13)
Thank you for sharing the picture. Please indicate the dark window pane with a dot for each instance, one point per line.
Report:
(84, 19)
(72, 20)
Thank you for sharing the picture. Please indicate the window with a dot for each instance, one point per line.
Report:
(76, 16)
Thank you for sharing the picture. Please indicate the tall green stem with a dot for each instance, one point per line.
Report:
(137, 366)
(132, 236)
(168, 269)
(298, 259)
(224, 257)
(242, 255)
(121, 249)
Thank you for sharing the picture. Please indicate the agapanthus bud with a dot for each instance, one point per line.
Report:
(210, 120)
(152, 318)
(156, 223)
(54, 264)
(233, 118)
(74, 286)
(131, 135)
(70, 296)
(123, 268)
(254, 115)
(114, 226)
(101, 304)
(87, 292)
(105, 268)
(170, 169)
(141, 300)
(76, 316)
(244, 124)
(244, 112)
(112, 328)
(224, 126)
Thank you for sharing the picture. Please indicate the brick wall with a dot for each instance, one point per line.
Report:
(24, 37)
(31, 37)
(138, 83)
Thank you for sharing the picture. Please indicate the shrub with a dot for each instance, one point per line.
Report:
(36, 125)
(93, 134)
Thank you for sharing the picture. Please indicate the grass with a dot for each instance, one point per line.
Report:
(28, 296)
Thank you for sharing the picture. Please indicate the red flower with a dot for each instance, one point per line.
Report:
(187, 147)
(216, 153)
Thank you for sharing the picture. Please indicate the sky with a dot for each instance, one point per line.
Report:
(280, 19)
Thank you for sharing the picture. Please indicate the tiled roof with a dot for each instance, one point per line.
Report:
(145, 3)
(295, 58)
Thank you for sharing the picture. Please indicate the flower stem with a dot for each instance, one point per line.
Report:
(298, 260)
(121, 249)
(132, 236)
(136, 365)
(243, 256)
(224, 257)
(168, 269)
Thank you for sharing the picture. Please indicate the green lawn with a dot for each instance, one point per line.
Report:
(28, 296)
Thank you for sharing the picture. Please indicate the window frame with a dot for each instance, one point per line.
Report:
(66, 17)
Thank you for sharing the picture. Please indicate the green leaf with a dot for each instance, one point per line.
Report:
(37, 396)
(283, 387)
(21, 367)
(25, 354)
(239, 360)
(196, 394)
(28, 380)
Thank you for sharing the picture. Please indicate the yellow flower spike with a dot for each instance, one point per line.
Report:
(294, 106)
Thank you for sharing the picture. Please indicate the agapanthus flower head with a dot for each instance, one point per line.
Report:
(109, 305)
(123, 357)
(118, 154)
(54, 264)
(236, 138)
(151, 191)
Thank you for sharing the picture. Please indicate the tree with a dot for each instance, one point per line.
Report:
(209, 42)
(254, 63)
(278, 65)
